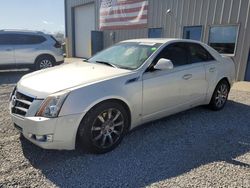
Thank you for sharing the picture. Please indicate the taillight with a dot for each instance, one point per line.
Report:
(58, 45)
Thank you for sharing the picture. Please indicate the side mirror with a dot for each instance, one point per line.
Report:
(164, 64)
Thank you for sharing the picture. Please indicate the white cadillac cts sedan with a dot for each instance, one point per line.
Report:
(133, 82)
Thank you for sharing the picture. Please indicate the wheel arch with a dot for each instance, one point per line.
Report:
(113, 99)
(211, 89)
(212, 104)
(43, 55)
(226, 79)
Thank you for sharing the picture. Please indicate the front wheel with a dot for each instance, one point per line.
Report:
(220, 95)
(103, 128)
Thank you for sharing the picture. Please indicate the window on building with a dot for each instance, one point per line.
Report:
(223, 38)
(192, 32)
(154, 32)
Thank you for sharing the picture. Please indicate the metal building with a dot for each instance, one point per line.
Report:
(223, 24)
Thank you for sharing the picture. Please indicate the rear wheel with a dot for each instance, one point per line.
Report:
(103, 127)
(220, 95)
(44, 62)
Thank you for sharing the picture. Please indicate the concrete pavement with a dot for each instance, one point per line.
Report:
(242, 86)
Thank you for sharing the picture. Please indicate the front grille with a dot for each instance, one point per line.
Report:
(20, 103)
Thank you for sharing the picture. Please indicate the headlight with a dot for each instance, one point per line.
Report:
(51, 106)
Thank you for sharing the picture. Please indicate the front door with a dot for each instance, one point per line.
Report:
(6, 50)
(161, 92)
(96, 42)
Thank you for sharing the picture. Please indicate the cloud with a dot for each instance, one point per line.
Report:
(47, 23)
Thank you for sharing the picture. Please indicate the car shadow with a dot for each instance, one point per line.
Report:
(12, 76)
(157, 151)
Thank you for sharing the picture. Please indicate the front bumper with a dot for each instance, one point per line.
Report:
(62, 130)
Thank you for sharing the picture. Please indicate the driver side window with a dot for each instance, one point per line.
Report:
(176, 52)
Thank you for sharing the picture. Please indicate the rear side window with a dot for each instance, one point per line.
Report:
(5, 39)
(176, 52)
(36, 39)
(198, 54)
(21, 39)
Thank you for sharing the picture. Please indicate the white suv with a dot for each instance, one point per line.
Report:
(29, 49)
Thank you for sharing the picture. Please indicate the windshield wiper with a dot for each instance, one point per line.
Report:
(106, 63)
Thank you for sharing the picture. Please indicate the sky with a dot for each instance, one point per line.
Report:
(42, 15)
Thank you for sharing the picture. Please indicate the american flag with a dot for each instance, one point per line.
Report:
(123, 14)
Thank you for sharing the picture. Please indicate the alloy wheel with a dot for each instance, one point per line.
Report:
(221, 95)
(45, 64)
(107, 128)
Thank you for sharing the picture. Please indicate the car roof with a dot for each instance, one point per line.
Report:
(170, 40)
(161, 40)
(17, 31)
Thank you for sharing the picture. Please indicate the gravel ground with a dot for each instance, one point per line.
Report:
(196, 148)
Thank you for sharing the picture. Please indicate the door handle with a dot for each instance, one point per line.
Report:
(187, 76)
(212, 69)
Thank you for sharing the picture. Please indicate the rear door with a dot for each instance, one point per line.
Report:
(200, 54)
(195, 89)
(6, 50)
(27, 47)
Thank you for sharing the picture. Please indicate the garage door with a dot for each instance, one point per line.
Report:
(84, 24)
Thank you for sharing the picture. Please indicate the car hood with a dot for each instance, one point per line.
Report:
(42, 83)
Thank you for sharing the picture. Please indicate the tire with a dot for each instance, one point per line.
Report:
(220, 96)
(103, 128)
(44, 62)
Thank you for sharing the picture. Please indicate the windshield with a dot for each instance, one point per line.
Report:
(128, 55)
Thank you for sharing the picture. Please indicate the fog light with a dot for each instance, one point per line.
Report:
(49, 138)
(40, 138)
